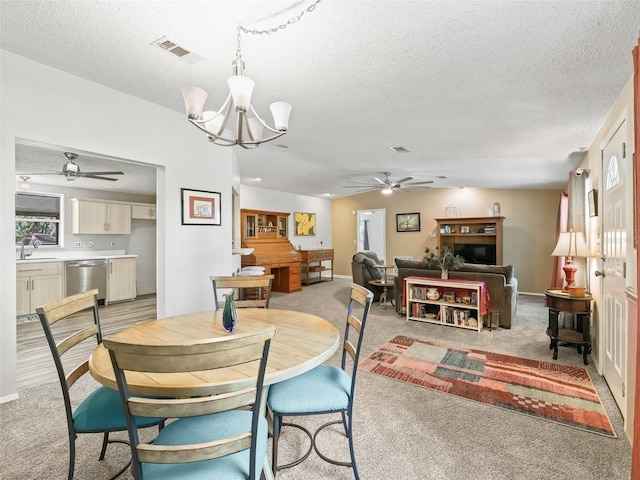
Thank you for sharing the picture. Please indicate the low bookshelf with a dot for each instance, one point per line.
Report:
(458, 303)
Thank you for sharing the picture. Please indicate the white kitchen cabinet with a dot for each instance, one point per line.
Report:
(145, 211)
(121, 283)
(91, 216)
(38, 283)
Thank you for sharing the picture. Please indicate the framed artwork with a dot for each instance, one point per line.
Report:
(464, 229)
(200, 207)
(407, 222)
(593, 203)
(304, 223)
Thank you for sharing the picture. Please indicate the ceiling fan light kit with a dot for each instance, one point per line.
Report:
(249, 127)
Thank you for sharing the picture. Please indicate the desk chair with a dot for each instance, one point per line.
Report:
(101, 411)
(214, 435)
(254, 290)
(324, 389)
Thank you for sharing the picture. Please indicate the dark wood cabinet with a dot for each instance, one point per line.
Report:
(267, 233)
(477, 239)
(314, 262)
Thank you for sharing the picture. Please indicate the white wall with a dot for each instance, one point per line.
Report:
(42, 104)
(257, 198)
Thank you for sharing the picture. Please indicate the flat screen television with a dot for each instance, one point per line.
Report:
(476, 253)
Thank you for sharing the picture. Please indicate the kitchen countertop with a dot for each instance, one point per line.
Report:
(70, 256)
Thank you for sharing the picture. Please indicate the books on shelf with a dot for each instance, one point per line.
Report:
(458, 296)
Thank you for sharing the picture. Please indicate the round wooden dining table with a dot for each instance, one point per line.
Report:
(302, 341)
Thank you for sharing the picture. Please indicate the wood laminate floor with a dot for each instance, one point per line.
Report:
(35, 363)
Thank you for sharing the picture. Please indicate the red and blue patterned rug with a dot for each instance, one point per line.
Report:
(547, 390)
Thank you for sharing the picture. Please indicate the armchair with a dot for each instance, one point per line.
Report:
(363, 269)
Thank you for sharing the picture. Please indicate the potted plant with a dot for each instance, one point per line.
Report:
(446, 261)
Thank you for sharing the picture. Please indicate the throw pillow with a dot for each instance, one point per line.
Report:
(374, 272)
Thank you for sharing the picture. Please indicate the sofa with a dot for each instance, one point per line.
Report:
(500, 279)
(363, 269)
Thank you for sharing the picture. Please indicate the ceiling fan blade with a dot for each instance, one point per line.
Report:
(367, 190)
(35, 174)
(98, 177)
(420, 183)
(379, 181)
(85, 174)
(360, 186)
(402, 180)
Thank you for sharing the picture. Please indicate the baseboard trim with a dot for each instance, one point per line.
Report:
(9, 398)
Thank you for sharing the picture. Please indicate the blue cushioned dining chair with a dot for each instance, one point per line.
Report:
(325, 389)
(101, 411)
(220, 431)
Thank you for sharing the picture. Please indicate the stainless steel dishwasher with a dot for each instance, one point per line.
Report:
(83, 275)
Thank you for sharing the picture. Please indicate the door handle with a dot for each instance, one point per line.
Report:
(598, 273)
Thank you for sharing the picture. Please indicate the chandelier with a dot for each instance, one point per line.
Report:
(249, 126)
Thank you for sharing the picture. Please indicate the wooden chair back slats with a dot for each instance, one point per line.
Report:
(178, 454)
(243, 281)
(65, 307)
(351, 349)
(74, 339)
(192, 407)
(77, 373)
(192, 357)
(254, 291)
(359, 294)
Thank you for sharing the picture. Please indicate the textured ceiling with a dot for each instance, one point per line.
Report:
(491, 94)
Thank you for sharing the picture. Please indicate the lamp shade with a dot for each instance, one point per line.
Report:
(571, 244)
(214, 124)
(241, 90)
(281, 112)
(194, 98)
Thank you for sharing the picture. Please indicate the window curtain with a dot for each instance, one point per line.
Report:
(557, 276)
(572, 215)
(365, 235)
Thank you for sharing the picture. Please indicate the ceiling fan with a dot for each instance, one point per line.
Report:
(71, 171)
(387, 185)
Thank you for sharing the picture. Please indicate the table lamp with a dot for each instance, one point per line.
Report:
(570, 244)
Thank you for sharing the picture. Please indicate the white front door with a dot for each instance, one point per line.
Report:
(614, 252)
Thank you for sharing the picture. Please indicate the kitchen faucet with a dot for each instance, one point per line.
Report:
(25, 241)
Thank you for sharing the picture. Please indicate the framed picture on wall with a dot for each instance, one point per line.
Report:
(593, 203)
(304, 223)
(407, 222)
(200, 207)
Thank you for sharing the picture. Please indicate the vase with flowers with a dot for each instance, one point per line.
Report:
(446, 261)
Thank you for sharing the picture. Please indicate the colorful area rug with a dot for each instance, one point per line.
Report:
(547, 390)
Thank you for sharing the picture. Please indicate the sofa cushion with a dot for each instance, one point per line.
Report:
(405, 263)
(506, 270)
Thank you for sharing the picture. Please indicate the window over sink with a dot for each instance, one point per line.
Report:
(38, 219)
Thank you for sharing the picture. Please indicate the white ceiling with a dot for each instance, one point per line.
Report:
(491, 94)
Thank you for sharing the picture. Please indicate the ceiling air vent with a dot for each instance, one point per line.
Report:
(399, 149)
(176, 50)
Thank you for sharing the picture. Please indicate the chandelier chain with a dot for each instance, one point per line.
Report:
(268, 31)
